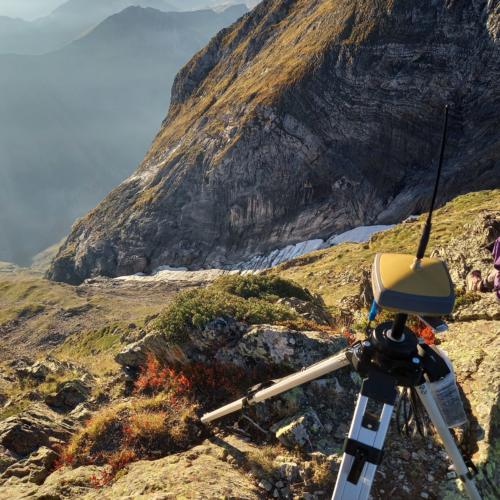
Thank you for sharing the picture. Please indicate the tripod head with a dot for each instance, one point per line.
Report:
(407, 284)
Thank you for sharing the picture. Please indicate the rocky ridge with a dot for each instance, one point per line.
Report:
(303, 119)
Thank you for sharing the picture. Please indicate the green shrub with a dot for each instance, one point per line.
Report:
(245, 298)
(193, 309)
(261, 287)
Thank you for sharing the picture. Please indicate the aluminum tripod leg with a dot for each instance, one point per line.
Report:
(448, 441)
(365, 442)
(320, 369)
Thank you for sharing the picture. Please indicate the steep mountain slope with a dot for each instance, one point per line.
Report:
(74, 123)
(203, 4)
(305, 118)
(12, 30)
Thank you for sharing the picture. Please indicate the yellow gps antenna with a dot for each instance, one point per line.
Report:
(426, 232)
(414, 284)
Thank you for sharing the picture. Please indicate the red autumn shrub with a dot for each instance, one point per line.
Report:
(425, 333)
(116, 462)
(199, 382)
(154, 378)
(350, 335)
(65, 459)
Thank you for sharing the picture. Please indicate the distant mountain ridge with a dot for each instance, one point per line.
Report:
(75, 122)
(75, 18)
(136, 25)
(302, 120)
(103, 9)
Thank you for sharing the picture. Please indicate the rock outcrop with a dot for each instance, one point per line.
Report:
(68, 395)
(34, 469)
(303, 119)
(261, 346)
(200, 473)
(474, 348)
(36, 427)
(267, 345)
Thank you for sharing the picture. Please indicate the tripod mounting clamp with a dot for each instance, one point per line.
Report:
(399, 359)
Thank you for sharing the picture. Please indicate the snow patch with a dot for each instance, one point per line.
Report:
(176, 274)
(257, 263)
(359, 234)
(280, 255)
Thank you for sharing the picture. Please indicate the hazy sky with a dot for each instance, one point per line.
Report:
(28, 9)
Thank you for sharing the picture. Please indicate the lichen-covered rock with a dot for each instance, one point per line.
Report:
(200, 473)
(34, 469)
(38, 426)
(301, 120)
(486, 307)
(39, 370)
(63, 484)
(200, 345)
(68, 395)
(299, 431)
(285, 405)
(289, 471)
(6, 459)
(135, 355)
(268, 345)
(82, 412)
(469, 251)
(474, 348)
(363, 298)
(325, 387)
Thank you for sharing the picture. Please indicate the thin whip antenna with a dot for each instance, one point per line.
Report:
(426, 232)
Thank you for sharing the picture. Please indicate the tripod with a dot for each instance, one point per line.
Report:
(391, 356)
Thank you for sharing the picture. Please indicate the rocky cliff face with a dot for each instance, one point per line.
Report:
(304, 118)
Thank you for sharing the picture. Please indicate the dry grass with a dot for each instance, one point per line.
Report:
(146, 425)
(261, 460)
(146, 428)
(323, 474)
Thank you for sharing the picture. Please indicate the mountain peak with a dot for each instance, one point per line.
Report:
(78, 7)
(136, 24)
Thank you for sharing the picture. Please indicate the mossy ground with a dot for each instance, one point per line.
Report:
(37, 316)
